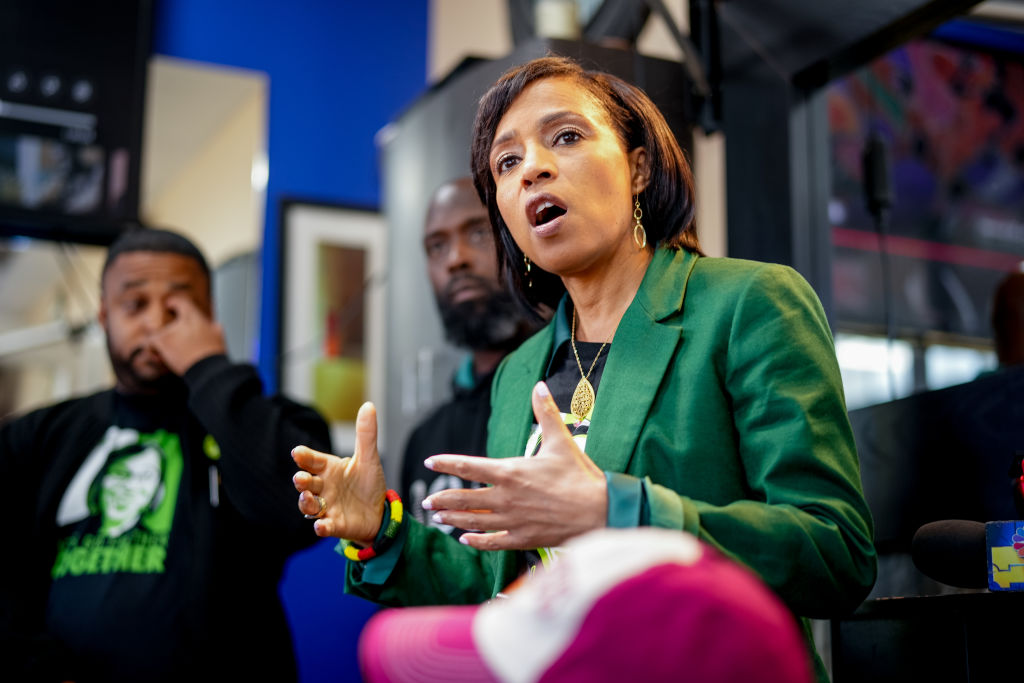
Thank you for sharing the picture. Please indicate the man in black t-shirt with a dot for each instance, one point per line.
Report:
(479, 315)
(149, 523)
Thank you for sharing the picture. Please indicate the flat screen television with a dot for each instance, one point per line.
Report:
(72, 92)
(951, 109)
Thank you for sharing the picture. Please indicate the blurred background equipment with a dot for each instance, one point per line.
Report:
(72, 88)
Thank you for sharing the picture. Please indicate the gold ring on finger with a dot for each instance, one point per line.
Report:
(319, 513)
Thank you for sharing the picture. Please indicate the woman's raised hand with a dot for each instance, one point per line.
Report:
(532, 502)
(344, 495)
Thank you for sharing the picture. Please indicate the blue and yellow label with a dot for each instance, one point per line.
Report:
(1005, 543)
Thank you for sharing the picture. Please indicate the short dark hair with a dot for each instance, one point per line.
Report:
(1008, 316)
(153, 239)
(667, 203)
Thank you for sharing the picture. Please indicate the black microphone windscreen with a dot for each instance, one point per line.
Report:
(952, 552)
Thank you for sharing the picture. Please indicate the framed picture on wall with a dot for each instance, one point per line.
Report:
(333, 261)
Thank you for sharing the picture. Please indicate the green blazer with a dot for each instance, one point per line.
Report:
(722, 397)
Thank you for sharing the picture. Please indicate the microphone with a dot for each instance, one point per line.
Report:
(970, 554)
(952, 551)
(875, 166)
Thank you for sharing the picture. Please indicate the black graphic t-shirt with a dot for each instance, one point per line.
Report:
(119, 577)
(153, 532)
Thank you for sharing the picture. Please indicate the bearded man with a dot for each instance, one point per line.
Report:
(148, 524)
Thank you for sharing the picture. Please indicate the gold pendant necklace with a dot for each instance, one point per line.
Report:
(582, 404)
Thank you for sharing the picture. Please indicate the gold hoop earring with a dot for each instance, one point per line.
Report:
(639, 234)
(529, 280)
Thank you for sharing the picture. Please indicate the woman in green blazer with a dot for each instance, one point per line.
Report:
(671, 389)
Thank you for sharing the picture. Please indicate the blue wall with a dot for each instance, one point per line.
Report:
(338, 72)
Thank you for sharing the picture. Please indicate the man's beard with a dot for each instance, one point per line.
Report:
(492, 323)
(164, 383)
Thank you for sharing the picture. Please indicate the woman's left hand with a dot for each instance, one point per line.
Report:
(534, 502)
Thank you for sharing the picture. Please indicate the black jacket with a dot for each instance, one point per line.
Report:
(214, 609)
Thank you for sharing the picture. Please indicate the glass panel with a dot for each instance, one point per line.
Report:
(953, 123)
(945, 366)
(874, 370)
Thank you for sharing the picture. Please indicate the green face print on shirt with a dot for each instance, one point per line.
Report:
(124, 522)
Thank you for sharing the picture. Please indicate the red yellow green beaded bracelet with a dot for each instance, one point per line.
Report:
(390, 532)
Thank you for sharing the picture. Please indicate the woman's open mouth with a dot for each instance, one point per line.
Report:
(544, 213)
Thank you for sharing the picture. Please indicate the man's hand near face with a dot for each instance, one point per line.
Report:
(189, 337)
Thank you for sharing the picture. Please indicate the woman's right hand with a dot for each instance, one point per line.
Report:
(352, 488)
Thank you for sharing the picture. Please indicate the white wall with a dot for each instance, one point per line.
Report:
(205, 135)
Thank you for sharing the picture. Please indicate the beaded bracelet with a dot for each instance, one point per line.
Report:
(390, 532)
